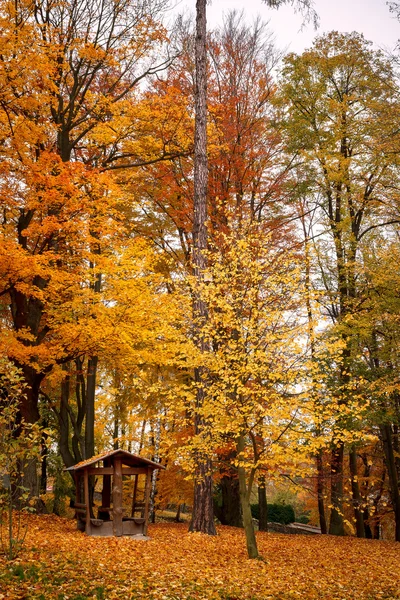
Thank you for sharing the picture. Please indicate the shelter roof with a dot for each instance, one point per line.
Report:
(133, 460)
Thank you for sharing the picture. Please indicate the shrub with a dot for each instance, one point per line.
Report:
(303, 519)
(19, 443)
(277, 513)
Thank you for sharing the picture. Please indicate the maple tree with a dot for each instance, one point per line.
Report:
(67, 72)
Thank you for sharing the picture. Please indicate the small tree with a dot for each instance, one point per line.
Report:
(252, 290)
(20, 443)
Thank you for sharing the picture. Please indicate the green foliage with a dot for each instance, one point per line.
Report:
(19, 444)
(303, 519)
(63, 490)
(277, 513)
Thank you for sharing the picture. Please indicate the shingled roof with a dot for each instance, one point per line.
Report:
(133, 460)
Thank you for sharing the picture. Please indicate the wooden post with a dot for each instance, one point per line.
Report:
(117, 497)
(106, 495)
(86, 491)
(147, 501)
(135, 486)
(77, 484)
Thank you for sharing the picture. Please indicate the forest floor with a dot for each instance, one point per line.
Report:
(60, 563)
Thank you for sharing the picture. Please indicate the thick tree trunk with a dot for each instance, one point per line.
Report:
(262, 505)
(336, 525)
(203, 513)
(356, 494)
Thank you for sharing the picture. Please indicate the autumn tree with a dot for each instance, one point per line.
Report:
(75, 66)
(202, 516)
(254, 358)
(377, 333)
(19, 444)
(336, 96)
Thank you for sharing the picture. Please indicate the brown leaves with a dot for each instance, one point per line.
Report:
(62, 563)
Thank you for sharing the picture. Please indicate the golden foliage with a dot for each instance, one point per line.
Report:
(62, 563)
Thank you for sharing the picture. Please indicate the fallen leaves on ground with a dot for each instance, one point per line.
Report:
(61, 563)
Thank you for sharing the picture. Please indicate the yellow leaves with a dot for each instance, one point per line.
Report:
(176, 565)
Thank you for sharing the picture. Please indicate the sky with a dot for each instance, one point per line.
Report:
(370, 17)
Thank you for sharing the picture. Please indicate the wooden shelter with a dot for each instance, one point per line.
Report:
(114, 466)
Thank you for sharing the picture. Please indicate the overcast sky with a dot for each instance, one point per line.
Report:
(370, 17)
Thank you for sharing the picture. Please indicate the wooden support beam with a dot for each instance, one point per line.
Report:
(87, 501)
(77, 491)
(110, 471)
(147, 501)
(135, 486)
(117, 498)
(105, 494)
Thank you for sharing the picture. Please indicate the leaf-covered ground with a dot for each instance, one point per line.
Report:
(61, 563)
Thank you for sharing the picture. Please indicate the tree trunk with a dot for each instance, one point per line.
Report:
(203, 514)
(390, 460)
(44, 454)
(29, 412)
(356, 494)
(336, 525)
(116, 433)
(178, 514)
(320, 493)
(229, 511)
(90, 400)
(154, 477)
(251, 542)
(262, 505)
(63, 425)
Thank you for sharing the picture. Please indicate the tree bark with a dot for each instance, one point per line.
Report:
(178, 514)
(262, 505)
(228, 511)
(44, 454)
(320, 493)
(356, 494)
(90, 400)
(251, 542)
(390, 460)
(336, 525)
(203, 512)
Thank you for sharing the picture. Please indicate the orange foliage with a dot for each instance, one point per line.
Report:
(173, 488)
(62, 563)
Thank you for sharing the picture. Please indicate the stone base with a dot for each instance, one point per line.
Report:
(130, 527)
